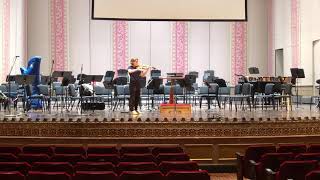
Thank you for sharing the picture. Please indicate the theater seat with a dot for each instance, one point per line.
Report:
(172, 157)
(31, 158)
(188, 175)
(38, 149)
(137, 158)
(70, 150)
(113, 158)
(22, 167)
(252, 153)
(313, 175)
(308, 156)
(102, 150)
(8, 157)
(293, 170)
(94, 166)
(11, 175)
(36, 175)
(293, 148)
(141, 175)
(95, 175)
(135, 150)
(136, 166)
(269, 161)
(167, 166)
(53, 167)
(71, 158)
(166, 149)
(314, 148)
(10, 149)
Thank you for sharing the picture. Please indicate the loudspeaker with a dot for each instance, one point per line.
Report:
(93, 106)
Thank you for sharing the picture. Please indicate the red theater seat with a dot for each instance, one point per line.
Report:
(293, 148)
(38, 149)
(313, 175)
(135, 150)
(22, 167)
(8, 157)
(31, 158)
(252, 153)
(137, 158)
(314, 148)
(271, 161)
(94, 166)
(102, 150)
(293, 170)
(10, 149)
(137, 166)
(142, 175)
(95, 175)
(35, 175)
(166, 149)
(70, 150)
(308, 156)
(172, 157)
(188, 175)
(11, 175)
(53, 167)
(113, 158)
(167, 166)
(71, 158)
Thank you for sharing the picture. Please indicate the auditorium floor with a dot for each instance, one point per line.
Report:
(223, 176)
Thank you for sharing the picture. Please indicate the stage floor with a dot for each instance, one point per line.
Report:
(122, 114)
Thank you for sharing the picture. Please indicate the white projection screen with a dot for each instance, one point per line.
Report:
(193, 10)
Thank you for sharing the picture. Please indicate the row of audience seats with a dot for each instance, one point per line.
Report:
(287, 161)
(133, 163)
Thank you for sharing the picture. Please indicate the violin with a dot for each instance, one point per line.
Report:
(144, 67)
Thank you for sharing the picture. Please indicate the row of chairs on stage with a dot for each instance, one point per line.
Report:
(68, 96)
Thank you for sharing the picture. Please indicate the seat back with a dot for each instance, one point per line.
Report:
(141, 175)
(53, 167)
(137, 158)
(294, 148)
(95, 175)
(238, 89)
(269, 89)
(113, 158)
(136, 166)
(37, 149)
(102, 150)
(11, 175)
(167, 166)
(308, 156)
(246, 89)
(135, 150)
(188, 175)
(71, 158)
(36, 175)
(172, 157)
(313, 175)
(31, 158)
(8, 157)
(22, 167)
(166, 149)
(69, 150)
(314, 148)
(10, 149)
(94, 166)
(295, 169)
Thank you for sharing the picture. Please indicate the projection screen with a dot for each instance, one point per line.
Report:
(197, 10)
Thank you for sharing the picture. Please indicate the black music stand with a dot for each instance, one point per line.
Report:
(93, 79)
(9, 79)
(65, 75)
(296, 74)
(25, 81)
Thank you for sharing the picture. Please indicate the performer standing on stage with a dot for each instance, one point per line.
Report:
(136, 71)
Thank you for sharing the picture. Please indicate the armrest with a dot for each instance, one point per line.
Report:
(252, 169)
(239, 157)
(271, 175)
